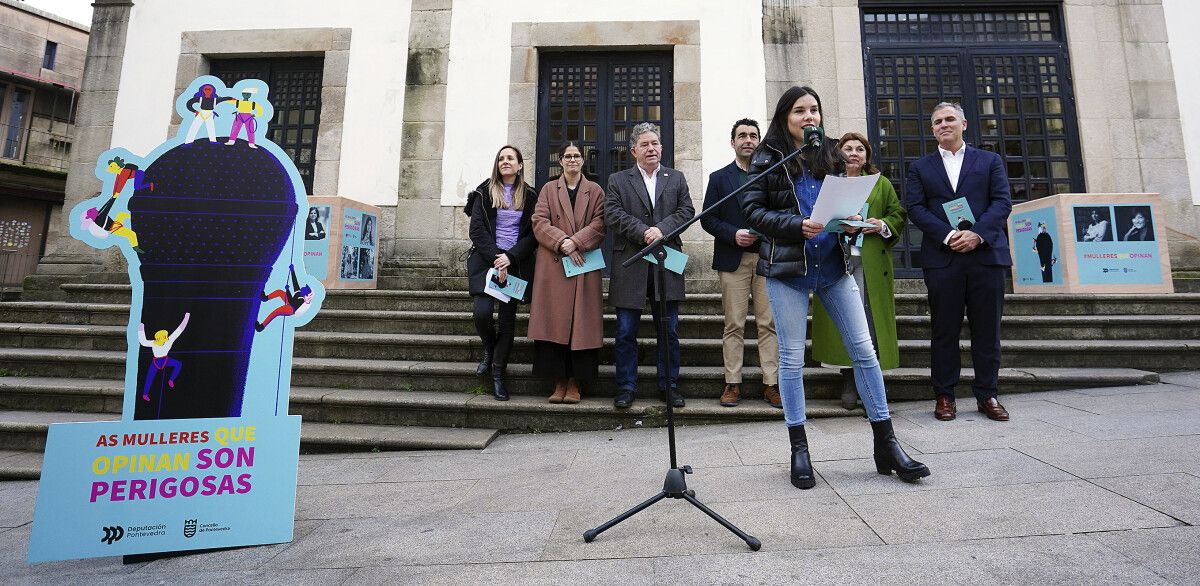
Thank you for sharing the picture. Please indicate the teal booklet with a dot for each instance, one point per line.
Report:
(511, 288)
(958, 213)
(840, 225)
(593, 260)
(676, 260)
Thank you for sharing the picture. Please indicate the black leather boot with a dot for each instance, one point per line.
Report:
(485, 364)
(849, 389)
(802, 472)
(890, 456)
(498, 390)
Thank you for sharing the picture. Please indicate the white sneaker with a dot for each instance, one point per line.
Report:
(231, 142)
(253, 146)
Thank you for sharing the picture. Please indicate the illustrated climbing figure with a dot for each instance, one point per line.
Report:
(204, 105)
(161, 347)
(247, 111)
(296, 300)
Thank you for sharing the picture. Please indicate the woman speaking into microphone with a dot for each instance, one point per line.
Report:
(799, 258)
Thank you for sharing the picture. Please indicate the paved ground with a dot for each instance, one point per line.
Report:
(1091, 486)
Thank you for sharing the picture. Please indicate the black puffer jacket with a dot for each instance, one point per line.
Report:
(483, 239)
(772, 208)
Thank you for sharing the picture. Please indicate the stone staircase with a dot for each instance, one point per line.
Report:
(393, 369)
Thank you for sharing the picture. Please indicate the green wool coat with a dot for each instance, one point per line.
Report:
(827, 344)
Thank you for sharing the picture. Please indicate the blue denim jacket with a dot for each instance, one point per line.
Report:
(826, 263)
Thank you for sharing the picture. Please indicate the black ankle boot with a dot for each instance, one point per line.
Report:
(498, 390)
(849, 389)
(890, 456)
(486, 363)
(802, 472)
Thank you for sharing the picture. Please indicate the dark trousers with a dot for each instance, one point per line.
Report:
(625, 348)
(979, 289)
(499, 337)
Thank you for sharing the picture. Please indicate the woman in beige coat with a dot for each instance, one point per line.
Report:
(566, 320)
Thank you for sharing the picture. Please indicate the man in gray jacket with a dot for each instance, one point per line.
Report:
(641, 205)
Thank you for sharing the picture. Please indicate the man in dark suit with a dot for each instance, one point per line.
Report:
(964, 265)
(735, 256)
(642, 204)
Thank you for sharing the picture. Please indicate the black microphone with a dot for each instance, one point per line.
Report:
(813, 137)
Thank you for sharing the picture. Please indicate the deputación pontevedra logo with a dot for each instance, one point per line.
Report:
(111, 534)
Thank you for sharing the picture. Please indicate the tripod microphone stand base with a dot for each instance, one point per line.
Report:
(675, 487)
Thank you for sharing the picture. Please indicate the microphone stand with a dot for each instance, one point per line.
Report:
(675, 486)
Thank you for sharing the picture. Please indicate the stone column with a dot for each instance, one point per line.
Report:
(66, 256)
(420, 217)
(817, 44)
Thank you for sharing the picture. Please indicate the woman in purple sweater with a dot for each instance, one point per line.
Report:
(501, 209)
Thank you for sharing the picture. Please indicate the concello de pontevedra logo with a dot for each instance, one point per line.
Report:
(189, 528)
(112, 534)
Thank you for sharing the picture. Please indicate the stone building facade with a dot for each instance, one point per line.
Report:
(411, 99)
(41, 68)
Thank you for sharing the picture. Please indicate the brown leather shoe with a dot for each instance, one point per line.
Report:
(560, 390)
(771, 395)
(572, 395)
(993, 409)
(732, 395)
(945, 410)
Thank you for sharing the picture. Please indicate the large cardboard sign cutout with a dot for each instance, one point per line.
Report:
(212, 224)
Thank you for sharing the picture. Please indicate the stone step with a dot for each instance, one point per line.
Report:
(26, 431)
(459, 377)
(710, 303)
(414, 408)
(1157, 355)
(1038, 327)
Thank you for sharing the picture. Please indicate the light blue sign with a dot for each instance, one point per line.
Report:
(1116, 245)
(1037, 247)
(116, 488)
(212, 227)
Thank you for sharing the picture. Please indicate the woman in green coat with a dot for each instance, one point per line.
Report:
(871, 264)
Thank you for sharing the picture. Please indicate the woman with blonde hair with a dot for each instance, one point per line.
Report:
(502, 239)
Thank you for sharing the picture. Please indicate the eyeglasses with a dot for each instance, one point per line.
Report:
(572, 156)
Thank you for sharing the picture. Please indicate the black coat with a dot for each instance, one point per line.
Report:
(483, 239)
(772, 207)
(724, 222)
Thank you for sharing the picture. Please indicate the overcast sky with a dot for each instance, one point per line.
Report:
(77, 10)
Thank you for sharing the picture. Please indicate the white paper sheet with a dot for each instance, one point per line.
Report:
(842, 197)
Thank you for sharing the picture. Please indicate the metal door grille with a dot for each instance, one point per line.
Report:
(593, 99)
(1010, 72)
(295, 84)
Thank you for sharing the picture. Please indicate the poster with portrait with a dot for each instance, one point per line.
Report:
(211, 224)
(1101, 258)
(359, 234)
(1036, 249)
(316, 241)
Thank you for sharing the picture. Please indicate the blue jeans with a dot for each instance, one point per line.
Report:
(841, 299)
(626, 350)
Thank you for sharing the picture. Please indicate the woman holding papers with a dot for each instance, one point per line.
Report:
(501, 239)
(871, 266)
(799, 257)
(566, 320)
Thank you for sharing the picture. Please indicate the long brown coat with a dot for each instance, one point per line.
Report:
(567, 311)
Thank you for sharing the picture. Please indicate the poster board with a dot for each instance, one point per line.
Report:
(341, 245)
(1090, 243)
(205, 455)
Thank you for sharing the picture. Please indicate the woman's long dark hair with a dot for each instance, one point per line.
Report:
(820, 162)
